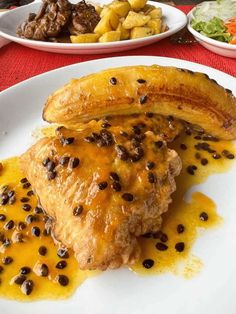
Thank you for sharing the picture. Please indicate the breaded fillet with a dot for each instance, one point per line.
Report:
(102, 189)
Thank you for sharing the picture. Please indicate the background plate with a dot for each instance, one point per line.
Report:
(9, 21)
(121, 291)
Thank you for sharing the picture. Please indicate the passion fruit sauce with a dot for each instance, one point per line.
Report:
(38, 269)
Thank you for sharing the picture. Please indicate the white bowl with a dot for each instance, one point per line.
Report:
(9, 21)
(218, 47)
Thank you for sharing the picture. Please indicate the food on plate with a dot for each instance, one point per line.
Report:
(60, 20)
(186, 95)
(216, 20)
(99, 206)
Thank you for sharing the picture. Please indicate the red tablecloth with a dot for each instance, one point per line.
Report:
(18, 63)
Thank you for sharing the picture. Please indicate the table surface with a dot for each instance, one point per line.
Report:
(18, 63)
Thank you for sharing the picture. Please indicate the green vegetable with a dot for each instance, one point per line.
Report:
(214, 29)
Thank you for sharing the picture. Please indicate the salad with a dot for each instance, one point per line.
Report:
(216, 20)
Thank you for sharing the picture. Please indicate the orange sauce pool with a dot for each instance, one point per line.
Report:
(169, 260)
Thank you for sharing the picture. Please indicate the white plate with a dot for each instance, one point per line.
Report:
(218, 47)
(121, 291)
(174, 18)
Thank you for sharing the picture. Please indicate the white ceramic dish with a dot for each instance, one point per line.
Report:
(218, 47)
(174, 18)
(121, 291)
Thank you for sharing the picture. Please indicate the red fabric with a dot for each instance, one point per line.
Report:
(18, 63)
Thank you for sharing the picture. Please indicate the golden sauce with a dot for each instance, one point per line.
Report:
(26, 253)
(185, 212)
(180, 212)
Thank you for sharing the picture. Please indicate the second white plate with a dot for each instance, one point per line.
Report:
(9, 21)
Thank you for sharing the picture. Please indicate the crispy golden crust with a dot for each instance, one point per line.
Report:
(186, 95)
(105, 233)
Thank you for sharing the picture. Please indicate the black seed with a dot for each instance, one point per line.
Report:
(1, 269)
(78, 210)
(19, 279)
(116, 186)
(190, 170)
(74, 162)
(203, 216)
(180, 228)
(105, 125)
(30, 218)
(38, 210)
(106, 138)
(3, 217)
(2, 237)
(230, 156)
(113, 81)
(62, 280)
(204, 161)
(141, 81)
(61, 264)
(67, 141)
(4, 200)
(24, 199)
(102, 185)
(11, 193)
(89, 139)
(26, 207)
(19, 237)
(26, 185)
(197, 156)
(183, 146)
(179, 246)
(198, 137)
(50, 165)
(147, 235)
(188, 132)
(150, 165)
(122, 152)
(152, 178)
(114, 176)
(45, 161)
(21, 225)
(30, 193)
(148, 263)
(136, 129)
(12, 200)
(127, 197)
(43, 270)
(42, 250)
(164, 237)
(47, 231)
(149, 114)
(194, 167)
(9, 225)
(27, 287)
(63, 253)
(35, 231)
(143, 99)
(23, 180)
(25, 270)
(7, 260)
(159, 144)
(51, 175)
(157, 234)
(161, 246)
(6, 242)
(216, 156)
(64, 160)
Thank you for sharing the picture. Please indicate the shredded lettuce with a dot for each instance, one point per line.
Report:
(214, 29)
(224, 9)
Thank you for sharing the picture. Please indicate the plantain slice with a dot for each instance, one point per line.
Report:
(184, 94)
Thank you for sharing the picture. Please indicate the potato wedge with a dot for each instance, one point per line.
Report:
(110, 36)
(155, 25)
(156, 13)
(134, 19)
(120, 8)
(124, 33)
(84, 38)
(137, 4)
(139, 32)
(107, 23)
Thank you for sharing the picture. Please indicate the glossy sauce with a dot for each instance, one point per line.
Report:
(180, 212)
